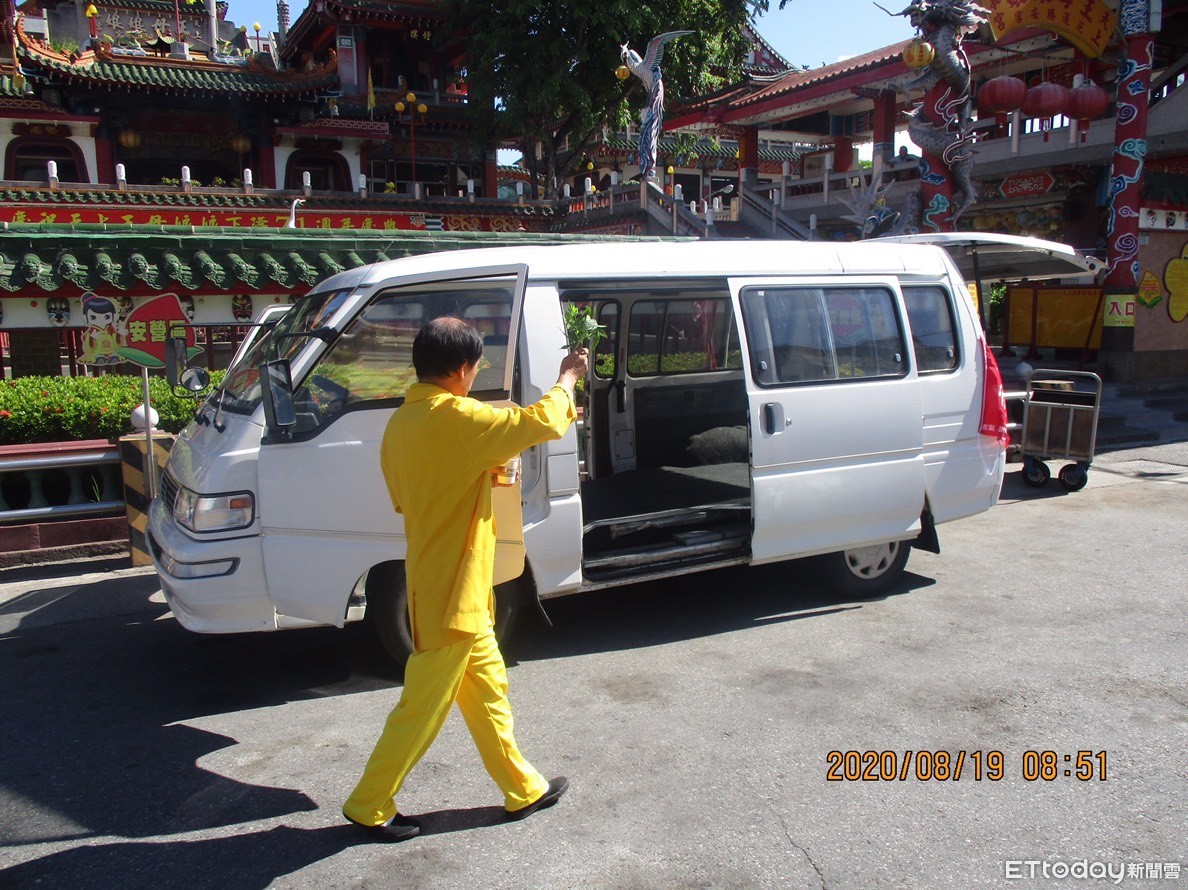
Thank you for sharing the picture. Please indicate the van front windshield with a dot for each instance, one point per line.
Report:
(240, 392)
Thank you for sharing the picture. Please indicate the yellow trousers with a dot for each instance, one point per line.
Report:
(471, 673)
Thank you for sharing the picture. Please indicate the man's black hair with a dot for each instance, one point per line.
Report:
(444, 345)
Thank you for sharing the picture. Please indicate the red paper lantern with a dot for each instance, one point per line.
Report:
(1001, 94)
(1045, 100)
(919, 54)
(1087, 102)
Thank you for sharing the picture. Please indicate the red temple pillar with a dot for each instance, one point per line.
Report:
(266, 162)
(936, 190)
(748, 155)
(843, 153)
(884, 126)
(1126, 182)
(491, 175)
(104, 156)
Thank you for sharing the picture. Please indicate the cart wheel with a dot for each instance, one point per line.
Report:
(1073, 477)
(1036, 472)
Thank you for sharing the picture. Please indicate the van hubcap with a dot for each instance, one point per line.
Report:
(873, 561)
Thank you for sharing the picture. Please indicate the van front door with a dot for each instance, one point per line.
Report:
(325, 511)
(835, 415)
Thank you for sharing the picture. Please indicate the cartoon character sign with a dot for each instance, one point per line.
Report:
(148, 328)
(126, 307)
(58, 310)
(241, 307)
(187, 304)
(101, 339)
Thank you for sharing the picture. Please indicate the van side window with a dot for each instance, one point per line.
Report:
(930, 313)
(818, 334)
(681, 336)
(371, 361)
(604, 355)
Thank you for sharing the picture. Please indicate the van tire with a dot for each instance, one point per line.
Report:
(387, 609)
(863, 572)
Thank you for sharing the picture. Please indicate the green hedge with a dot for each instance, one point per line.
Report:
(65, 409)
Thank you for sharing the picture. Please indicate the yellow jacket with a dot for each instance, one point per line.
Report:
(437, 454)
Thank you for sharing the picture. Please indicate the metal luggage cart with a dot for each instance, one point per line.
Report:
(1060, 423)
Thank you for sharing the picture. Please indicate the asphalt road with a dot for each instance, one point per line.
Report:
(694, 718)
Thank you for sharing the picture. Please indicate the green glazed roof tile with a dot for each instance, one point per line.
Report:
(47, 258)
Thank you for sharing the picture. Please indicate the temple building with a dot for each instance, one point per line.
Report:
(154, 128)
(154, 148)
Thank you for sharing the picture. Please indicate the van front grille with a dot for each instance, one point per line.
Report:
(169, 490)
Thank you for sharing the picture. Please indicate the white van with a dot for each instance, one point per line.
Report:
(754, 401)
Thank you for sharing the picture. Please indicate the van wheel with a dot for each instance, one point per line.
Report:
(387, 608)
(864, 572)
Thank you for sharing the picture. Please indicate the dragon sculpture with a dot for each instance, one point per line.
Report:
(647, 69)
(941, 124)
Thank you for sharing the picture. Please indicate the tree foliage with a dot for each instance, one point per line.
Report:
(543, 71)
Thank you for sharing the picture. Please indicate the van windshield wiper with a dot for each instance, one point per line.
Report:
(202, 418)
(326, 335)
(217, 423)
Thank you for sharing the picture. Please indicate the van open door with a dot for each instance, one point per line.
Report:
(325, 511)
(988, 256)
(993, 257)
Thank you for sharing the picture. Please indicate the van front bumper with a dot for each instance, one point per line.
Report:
(211, 586)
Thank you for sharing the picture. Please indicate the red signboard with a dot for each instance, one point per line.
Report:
(1027, 185)
(140, 338)
(257, 218)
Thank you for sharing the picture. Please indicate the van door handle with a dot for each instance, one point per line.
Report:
(621, 396)
(773, 418)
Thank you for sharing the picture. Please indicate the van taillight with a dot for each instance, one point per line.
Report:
(994, 412)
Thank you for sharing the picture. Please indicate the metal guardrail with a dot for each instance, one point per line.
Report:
(55, 486)
(767, 212)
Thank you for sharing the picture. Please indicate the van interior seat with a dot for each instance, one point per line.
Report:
(670, 415)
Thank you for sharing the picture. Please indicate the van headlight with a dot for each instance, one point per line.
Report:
(213, 513)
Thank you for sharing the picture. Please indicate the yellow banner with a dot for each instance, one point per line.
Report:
(1061, 316)
(1086, 24)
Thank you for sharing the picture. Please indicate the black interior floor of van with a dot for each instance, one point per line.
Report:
(636, 492)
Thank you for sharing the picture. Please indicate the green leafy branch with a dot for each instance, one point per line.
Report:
(582, 328)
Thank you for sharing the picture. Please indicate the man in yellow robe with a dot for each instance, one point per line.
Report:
(437, 455)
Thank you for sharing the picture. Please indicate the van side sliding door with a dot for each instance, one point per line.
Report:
(835, 414)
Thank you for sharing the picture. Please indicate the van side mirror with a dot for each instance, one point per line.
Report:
(194, 380)
(276, 392)
(183, 380)
(175, 359)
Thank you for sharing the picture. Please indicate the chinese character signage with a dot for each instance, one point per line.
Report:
(252, 218)
(1119, 311)
(140, 338)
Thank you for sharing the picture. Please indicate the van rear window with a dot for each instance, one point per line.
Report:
(820, 334)
(930, 312)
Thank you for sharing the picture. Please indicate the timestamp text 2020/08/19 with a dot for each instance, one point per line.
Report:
(952, 766)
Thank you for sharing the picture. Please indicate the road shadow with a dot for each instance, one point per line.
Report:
(244, 861)
(1015, 489)
(98, 683)
(674, 609)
